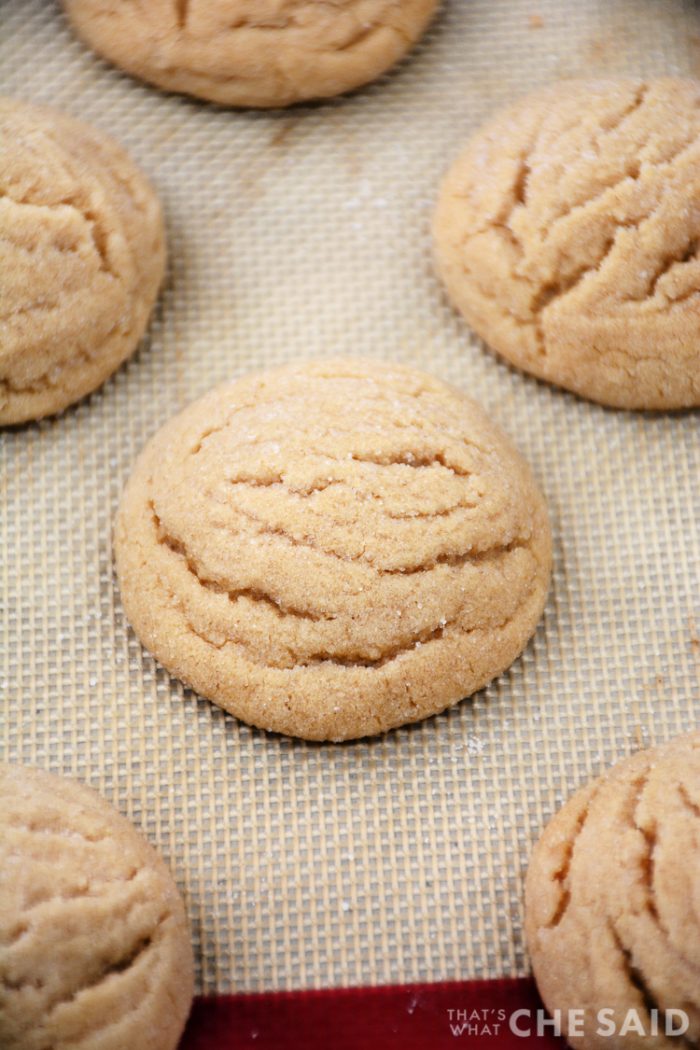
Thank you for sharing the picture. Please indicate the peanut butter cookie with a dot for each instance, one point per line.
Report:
(613, 903)
(94, 944)
(568, 235)
(332, 549)
(82, 254)
(253, 52)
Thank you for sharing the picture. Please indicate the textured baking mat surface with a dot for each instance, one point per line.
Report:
(306, 233)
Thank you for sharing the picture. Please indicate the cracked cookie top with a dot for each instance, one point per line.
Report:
(332, 549)
(94, 944)
(253, 52)
(82, 256)
(568, 235)
(612, 897)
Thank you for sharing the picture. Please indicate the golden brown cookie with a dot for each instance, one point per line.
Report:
(94, 944)
(612, 901)
(334, 548)
(82, 254)
(253, 52)
(568, 235)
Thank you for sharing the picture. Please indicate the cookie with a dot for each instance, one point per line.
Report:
(612, 902)
(82, 255)
(568, 235)
(253, 52)
(332, 549)
(94, 944)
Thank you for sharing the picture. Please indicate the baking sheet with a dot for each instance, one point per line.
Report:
(304, 233)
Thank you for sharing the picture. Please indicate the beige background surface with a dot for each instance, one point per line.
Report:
(305, 233)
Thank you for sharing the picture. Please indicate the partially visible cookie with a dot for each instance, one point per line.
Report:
(82, 255)
(253, 52)
(334, 548)
(612, 902)
(94, 944)
(568, 235)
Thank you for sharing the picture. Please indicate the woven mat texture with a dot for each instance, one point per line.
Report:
(304, 233)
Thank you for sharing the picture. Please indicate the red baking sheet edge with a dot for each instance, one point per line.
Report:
(475, 1014)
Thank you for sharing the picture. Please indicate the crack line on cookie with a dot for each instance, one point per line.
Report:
(42, 382)
(448, 630)
(639, 983)
(686, 254)
(74, 896)
(130, 956)
(178, 549)
(551, 291)
(687, 801)
(127, 959)
(34, 827)
(415, 461)
(455, 560)
(561, 875)
(634, 975)
(601, 138)
(182, 10)
(97, 235)
(233, 596)
(323, 656)
(519, 188)
(307, 492)
(422, 425)
(650, 836)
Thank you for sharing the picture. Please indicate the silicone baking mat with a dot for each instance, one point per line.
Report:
(305, 233)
